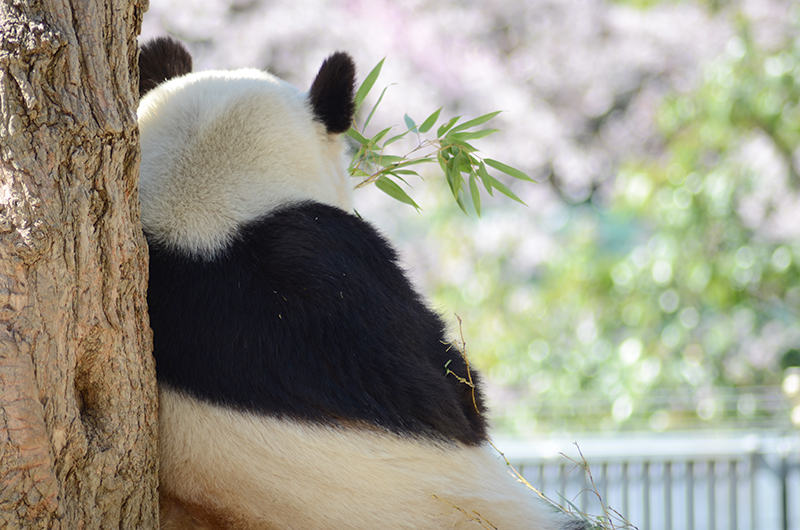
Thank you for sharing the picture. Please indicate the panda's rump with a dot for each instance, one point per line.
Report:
(225, 469)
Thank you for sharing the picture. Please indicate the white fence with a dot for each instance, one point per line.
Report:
(691, 481)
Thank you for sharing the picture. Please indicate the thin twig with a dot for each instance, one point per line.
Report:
(474, 516)
(468, 381)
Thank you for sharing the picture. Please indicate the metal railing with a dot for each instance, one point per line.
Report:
(692, 481)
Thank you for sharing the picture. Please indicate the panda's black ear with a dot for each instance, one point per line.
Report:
(332, 94)
(160, 60)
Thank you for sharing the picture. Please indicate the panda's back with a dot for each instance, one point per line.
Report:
(307, 315)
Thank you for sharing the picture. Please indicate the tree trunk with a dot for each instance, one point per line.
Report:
(77, 381)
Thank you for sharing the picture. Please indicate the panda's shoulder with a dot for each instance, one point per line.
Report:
(312, 229)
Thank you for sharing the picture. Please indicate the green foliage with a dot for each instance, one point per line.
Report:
(670, 307)
(458, 159)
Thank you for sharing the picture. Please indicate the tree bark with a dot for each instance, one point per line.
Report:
(77, 381)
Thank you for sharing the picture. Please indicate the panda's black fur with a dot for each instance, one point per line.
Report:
(322, 284)
(303, 381)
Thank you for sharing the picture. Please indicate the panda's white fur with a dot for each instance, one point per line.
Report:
(240, 166)
(253, 472)
(302, 386)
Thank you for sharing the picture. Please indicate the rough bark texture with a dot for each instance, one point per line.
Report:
(77, 381)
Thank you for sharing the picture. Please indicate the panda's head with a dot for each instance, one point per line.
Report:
(223, 148)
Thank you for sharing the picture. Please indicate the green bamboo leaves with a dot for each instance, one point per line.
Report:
(463, 169)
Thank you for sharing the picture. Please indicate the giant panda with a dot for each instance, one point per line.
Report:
(302, 381)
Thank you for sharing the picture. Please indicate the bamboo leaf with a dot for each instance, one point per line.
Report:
(397, 176)
(475, 192)
(477, 135)
(502, 188)
(388, 160)
(366, 86)
(454, 174)
(461, 205)
(462, 145)
(416, 161)
(410, 123)
(393, 190)
(357, 158)
(466, 163)
(393, 139)
(442, 162)
(508, 170)
(448, 174)
(429, 121)
(372, 112)
(378, 137)
(485, 178)
(405, 172)
(480, 120)
(355, 135)
(446, 127)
